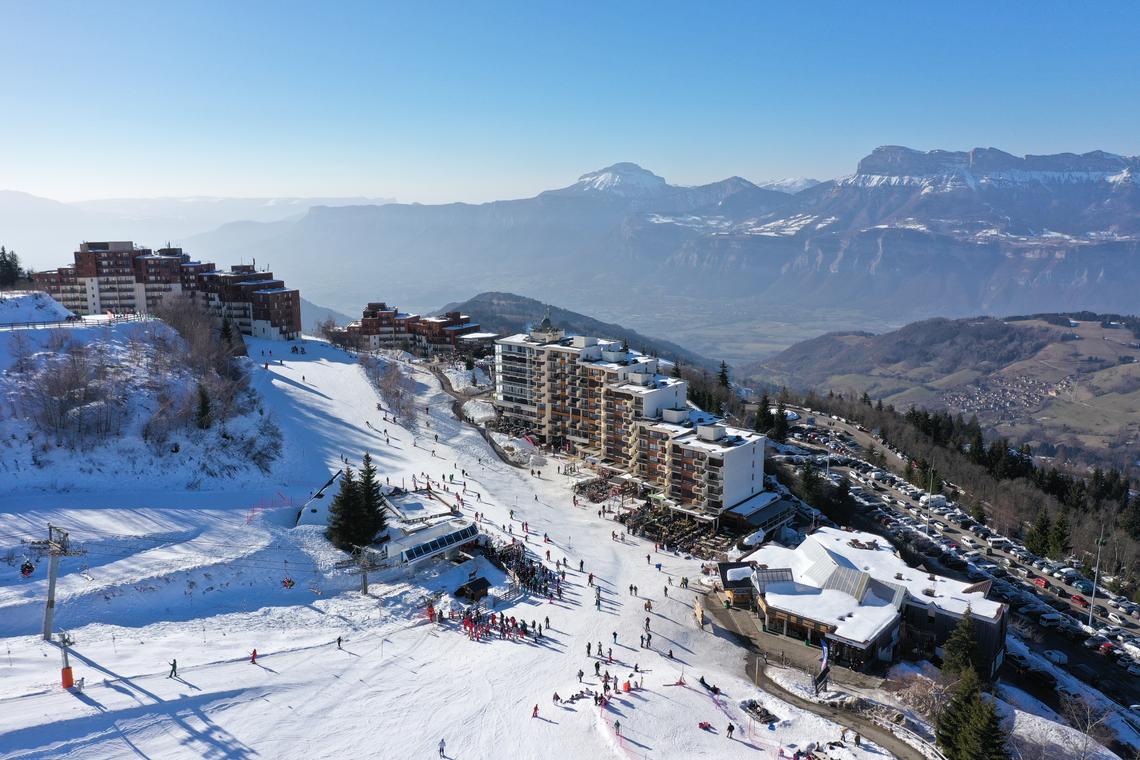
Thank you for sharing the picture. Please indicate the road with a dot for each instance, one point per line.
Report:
(728, 619)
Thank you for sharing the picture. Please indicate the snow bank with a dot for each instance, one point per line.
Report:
(520, 450)
(479, 411)
(26, 307)
(464, 380)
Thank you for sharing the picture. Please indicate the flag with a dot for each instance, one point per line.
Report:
(823, 663)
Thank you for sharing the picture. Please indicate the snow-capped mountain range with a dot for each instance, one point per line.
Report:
(910, 234)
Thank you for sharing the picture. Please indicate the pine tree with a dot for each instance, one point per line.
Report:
(722, 375)
(344, 512)
(676, 369)
(809, 481)
(1059, 543)
(957, 712)
(1037, 539)
(764, 414)
(978, 512)
(958, 651)
(371, 506)
(203, 416)
(227, 332)
(780, 423)
(982, 736)
(10, 272)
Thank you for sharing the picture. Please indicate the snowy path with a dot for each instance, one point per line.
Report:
(399, 685)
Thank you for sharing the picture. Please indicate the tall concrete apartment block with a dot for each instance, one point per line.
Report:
(604, 401)
(122, 278)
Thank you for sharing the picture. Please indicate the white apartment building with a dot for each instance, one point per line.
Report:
(601, 400)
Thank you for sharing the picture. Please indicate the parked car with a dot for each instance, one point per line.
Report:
(1055, 656)
(1017, 659)
(1080, 601)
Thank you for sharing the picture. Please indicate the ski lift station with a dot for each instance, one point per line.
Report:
(422, 541)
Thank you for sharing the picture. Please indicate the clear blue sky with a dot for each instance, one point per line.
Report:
(474, 101)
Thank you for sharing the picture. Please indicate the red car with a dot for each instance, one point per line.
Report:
(1080, 601)
(1106, 648)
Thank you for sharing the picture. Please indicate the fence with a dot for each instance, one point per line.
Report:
(85, 322)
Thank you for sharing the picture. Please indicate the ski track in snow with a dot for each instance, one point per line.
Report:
(197, 576)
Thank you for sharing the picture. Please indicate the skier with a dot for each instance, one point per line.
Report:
(581, 565)
(615, 637)
(580, 674)
(534, 712)
(617, 727)
(442, 745)
(641, 640)
(648, 561)
(173, 669)
(610, 656)
(588, 649)
(597, 667)
(666, 591)
(253, 658)
(338, 640)
(730, 729)
(647, 624)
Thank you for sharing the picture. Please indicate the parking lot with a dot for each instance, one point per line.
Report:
(1050, 601)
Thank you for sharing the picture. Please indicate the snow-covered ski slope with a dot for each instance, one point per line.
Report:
(196, 576)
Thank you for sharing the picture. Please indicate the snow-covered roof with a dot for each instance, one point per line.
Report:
(738, 573)
(855, 582)
(754, 504)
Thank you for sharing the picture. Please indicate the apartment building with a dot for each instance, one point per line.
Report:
(122, 278)
(255, 302)
(598, 399)
(383, 326)
(444, 331)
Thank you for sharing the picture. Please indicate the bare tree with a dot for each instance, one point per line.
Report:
(1090, 720)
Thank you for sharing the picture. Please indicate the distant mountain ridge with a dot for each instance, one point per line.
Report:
(507, 314)
(734, 269)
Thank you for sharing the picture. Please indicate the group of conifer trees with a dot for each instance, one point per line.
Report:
(968, 727)
(356, 514)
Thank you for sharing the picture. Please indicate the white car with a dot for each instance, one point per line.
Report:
(1055, 657)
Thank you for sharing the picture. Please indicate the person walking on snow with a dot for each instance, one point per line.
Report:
(442, 746)
(615, 637)
(534, 712)
(173, 669)
(338, 640)
(253, 658)
(617, 727)
(730, 729)
(588, 648)
(580, 674)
